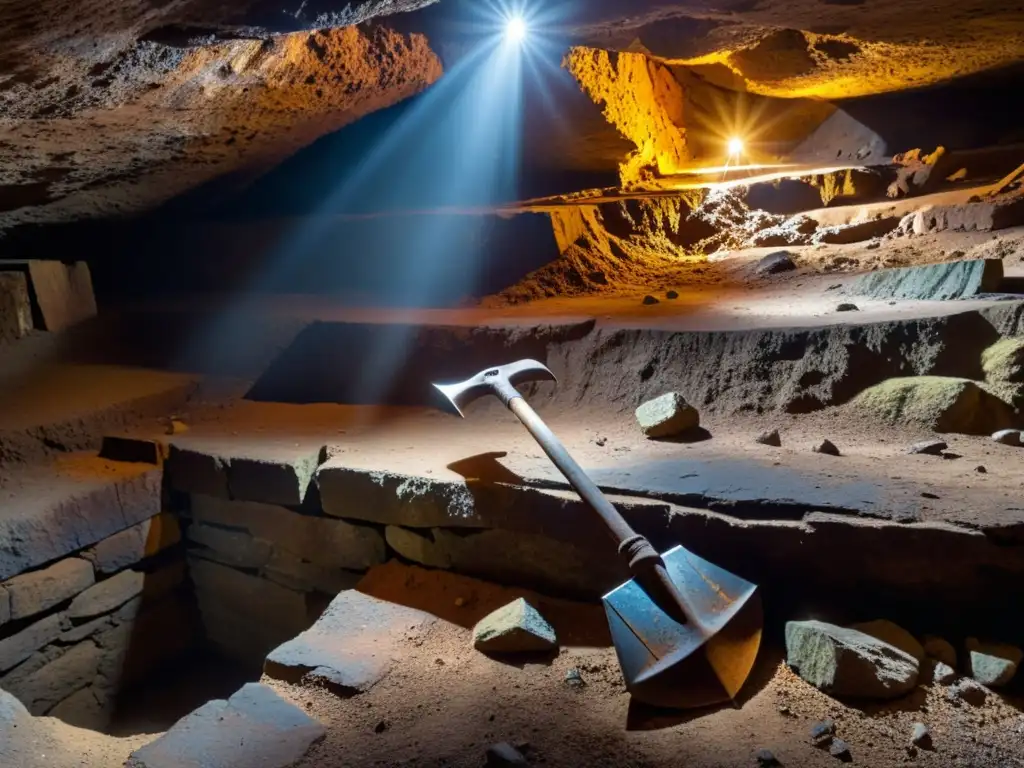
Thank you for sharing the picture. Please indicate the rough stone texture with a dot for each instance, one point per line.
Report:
(142, 130)
(771, 439)
(62, 291)
(229, 547)
(352, 645)
(129, 547)
(667, 416)
(279, 479)
(515, 628)
(893, 634)
(941, 650)
(845, 662)
(107, 595)
(255, 728)
(984, 216)
(992, 664)
(323, 541)
(514, 558)
(1003, 367)
(38, 591)
(857, 233)
(15, 307)
(192, 470)
(938, 403)
(18, 647)
(449, 501)
(64, 516)
(83, 710)
(245, 616)
(826, 447)
(59, 679)
(942, 673)
(292, 572)
(935, 282)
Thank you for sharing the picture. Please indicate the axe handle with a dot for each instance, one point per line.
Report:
(578, 479)
(644, 561)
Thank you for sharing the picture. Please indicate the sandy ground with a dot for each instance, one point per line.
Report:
(444, 703)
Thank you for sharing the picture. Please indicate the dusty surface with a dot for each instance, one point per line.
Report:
(444, 704)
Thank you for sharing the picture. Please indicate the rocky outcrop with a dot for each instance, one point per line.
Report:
(939, 403)
(935, 282)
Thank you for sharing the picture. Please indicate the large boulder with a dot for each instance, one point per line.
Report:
(938, 403)
(847, 662)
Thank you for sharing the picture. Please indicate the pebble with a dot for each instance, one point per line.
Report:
(840, 749)
(770, 438)
(981, 470)
(943, 674)
(765, 758)
(672, 295)
(650, 300)
(504, 754)
(573, 678)
(380, 727)
(823, 730)
(459, 602)
(847, 307)
(826, 447)
(921, 736)
(1009, 437)
(928, 448)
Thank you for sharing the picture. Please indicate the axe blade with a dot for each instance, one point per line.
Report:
(500, 381)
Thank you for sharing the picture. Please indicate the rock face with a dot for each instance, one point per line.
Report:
(133, 125)
(1003, 366)
(15, 307)
(516, 628)
(935, 282)
(938, 403)
(255, 728)
(845, 662)
(667, 416)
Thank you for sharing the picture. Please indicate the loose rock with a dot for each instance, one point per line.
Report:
(649, 300)
(504, 754)
(840, 750)
(928, 448)
(672, 295)
(667, 416)
(515, 628)
(921, 736)
(574, 679)
(1012, 437)
(821, 732)
(941, 650)
(766, 759)
(992, 664)
(846, 662)
(826, 447)
(847, 307)
(775, 263)
(943, 674)
(770, 438)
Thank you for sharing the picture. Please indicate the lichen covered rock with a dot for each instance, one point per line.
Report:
(939, 403)
(846, 662)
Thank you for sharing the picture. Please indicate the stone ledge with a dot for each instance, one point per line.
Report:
(59, 515)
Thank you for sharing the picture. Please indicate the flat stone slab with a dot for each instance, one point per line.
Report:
(38, 591)
(255, 728)
(935, 282)
(63, 512)
(272, 472)
(351, 647)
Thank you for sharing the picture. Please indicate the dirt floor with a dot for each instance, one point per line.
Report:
(443, 704)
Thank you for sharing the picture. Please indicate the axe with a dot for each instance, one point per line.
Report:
(686, 631)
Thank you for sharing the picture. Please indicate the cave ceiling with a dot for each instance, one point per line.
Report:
(110, 107)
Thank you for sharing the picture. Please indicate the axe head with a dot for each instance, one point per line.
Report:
(500, 382)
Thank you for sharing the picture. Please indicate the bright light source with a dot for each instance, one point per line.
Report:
(735, 147)
(515, 29)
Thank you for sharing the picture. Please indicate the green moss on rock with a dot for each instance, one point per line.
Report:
(938, 403)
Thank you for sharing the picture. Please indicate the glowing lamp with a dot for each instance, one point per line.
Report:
(735, 147)
(515, 29)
